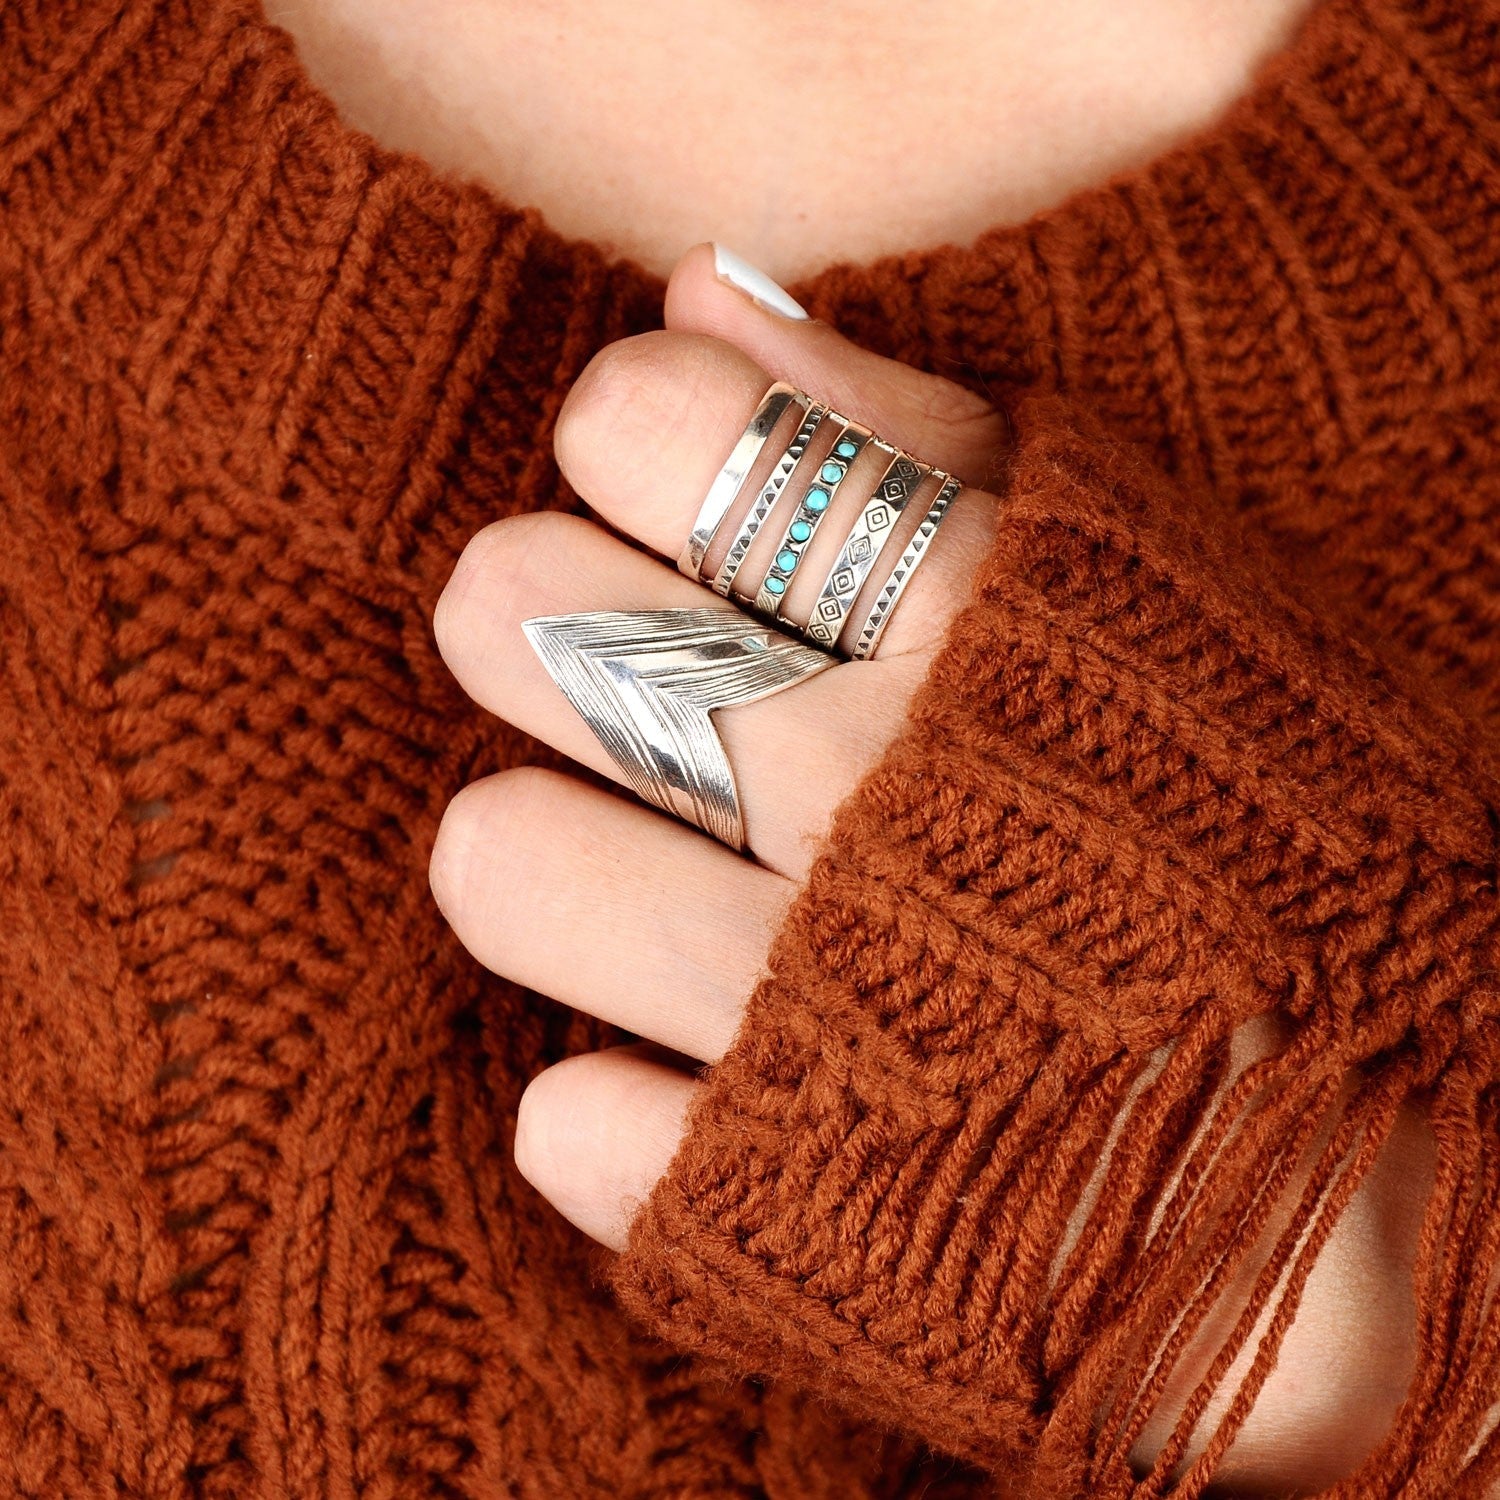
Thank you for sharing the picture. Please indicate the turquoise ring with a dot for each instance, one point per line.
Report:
(799, 494)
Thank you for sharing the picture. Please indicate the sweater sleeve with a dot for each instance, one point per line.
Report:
(1100, 1004)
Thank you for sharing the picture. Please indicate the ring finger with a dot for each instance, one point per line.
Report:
(612, 908)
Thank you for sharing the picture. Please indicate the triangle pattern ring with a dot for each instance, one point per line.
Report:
(646, 682)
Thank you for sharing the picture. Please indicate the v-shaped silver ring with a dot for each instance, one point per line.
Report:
(646, 682)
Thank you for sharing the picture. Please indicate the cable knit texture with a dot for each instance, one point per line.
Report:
(1213, 739)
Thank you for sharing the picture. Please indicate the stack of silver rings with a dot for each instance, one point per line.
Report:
(649, 681)
(901, 478)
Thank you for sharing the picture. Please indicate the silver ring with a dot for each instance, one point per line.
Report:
(900, 575)
(647, 681)
(869, 534)
(901, 480)
(731, 478)
(816, 502)
(770, 493)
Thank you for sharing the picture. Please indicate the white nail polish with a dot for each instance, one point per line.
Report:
(755, 284)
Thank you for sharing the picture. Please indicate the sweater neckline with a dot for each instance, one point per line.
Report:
(374, 352)
(1296, 60)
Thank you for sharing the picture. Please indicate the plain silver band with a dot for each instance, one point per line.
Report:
(770, 493)
(768, 603)
(900, 575)
(903, 477)
(725, 489)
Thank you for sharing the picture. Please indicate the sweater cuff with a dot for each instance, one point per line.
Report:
(991, 1142)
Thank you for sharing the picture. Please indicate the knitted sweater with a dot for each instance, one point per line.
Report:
(1215, 737)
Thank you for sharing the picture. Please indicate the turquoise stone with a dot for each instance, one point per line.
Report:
(816, 500)
(786, 561)
(831, 474)
(846, 449)
(800, 531)
(775, 585)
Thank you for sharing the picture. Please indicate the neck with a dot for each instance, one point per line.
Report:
(652, 127)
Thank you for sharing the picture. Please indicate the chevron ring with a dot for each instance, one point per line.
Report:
(647, 681)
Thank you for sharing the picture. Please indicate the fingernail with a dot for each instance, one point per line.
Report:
(754, 283)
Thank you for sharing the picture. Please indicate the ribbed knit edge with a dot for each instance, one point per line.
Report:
(196, 94)
(382, 370)
(1143, 798)
(334, 323)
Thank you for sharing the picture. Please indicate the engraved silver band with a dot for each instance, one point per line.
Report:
(647, 683)
(859, 553)
(901, 480)
(770, 493)
(900, 575)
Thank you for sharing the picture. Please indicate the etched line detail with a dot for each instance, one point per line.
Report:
(900, 576)
(770, 493)
(870, 532)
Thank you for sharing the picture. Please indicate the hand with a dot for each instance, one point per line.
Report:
(597, 901)
(644, 921)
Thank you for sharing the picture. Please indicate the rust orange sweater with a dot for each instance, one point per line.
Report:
(1216, 737)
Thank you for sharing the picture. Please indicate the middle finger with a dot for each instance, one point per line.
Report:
(795, 754)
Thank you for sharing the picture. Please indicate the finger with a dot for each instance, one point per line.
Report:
(596, 1132)
(920, 411)
(606, 906)
(795, 754)
(650, 421)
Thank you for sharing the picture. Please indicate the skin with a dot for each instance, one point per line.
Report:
(624, 912)
(1008, 105)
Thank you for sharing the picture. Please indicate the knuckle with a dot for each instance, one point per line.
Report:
(533, 1134)
(969, 429)
(625, 399)
(961, 413)
(499, 569)
(964, 407)
(622, 375)
(540, 1149)
(482, 841)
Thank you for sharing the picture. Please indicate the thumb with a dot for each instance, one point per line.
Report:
(713, 291)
